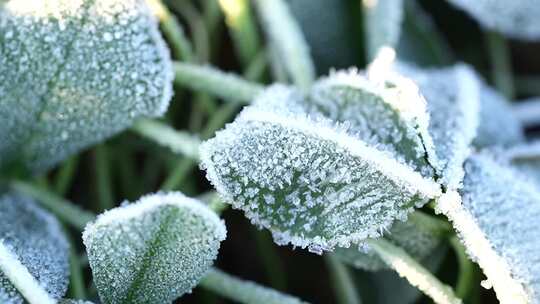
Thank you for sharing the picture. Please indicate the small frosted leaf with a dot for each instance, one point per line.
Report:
(154, 250)
(389, 114)
(419, 236)
(505, 209)
(306, 178)
(498, 125)
(37, 241)
(73, 72)
(516, 18)
(382, 20)
(452, 96)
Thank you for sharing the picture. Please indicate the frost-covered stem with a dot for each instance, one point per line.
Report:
(465, 279)
(239, 20)
(412, 271)
(501, 64)
(213, 81)
(342, 281)
(64, 210)
(528, 111)
(65, 175)
(173, 31)
(20, 277)
(178, 141)
(103, 177)
(243, 291)
(288, 40)
(270, 259)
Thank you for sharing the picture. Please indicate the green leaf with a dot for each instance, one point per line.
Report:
(154, 250)
(497, 221)
(452, 96)
(419, 236)
(73, 73)
(308, 180)
(382, 23)
(517, 19)
(35, 243)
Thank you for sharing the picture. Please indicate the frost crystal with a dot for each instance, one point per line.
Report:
(452, 96)
(73, 72)
(35, 237)
(419, 236)
(505, 207)
(325, 182)
(516, 18)
(154, 250)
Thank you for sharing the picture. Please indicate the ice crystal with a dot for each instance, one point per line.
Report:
(306, 178)
(36, 239)
(73, 72)
(517, 18)
(154, 250)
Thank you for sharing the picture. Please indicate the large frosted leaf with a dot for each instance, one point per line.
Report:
(73, 72)
(154, 250)
(306, 178)
(516, 18)
(382, 22)
(498, 223)
(36, 240)
(498, 125)
(452, 96)
(419, 236)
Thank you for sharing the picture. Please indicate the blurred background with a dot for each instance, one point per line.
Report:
(127, 166)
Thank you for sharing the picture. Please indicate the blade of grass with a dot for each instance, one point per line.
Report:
(65, 175)
(342, 281)
(465, 282)
(103, 178)
(501, 65)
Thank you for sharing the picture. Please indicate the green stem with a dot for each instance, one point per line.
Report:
(342, 281)
(103, 178)
(501, 64)
(67, 212)
(197, 26)
(270, 259)
(242, 291)
(465, 281)
(77, 286)
(288, 40)
(178, 174)
(213, 81)
(65, 175)
(397, 259)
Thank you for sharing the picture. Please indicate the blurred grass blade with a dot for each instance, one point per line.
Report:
(288, 40)
(342, 280)
(241, 291)
(209, 80)
(501, 64)
(177, 141)
(382, 23)
(415, 273)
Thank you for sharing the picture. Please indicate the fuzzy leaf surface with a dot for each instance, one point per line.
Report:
(74, 72)
(154, 250)
(35, 238)
(307, 179)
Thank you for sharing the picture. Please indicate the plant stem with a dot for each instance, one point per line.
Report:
(197, 27)
(64, 210)
(242, 291)
(465, 280)
(342, 281)
(270, 259)
(501, 64)
(416, 274)
(213, 81)
(103, 178)
(65, 175)
(77, 287)
(20, 277)
(288, 40)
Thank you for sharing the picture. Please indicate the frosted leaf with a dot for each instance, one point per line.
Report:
(498, 125)
(154, 250)
(37, 241)
(388, 113)
(70, 301)
(498, 223)
(382, 20)
(73, 72)
(452, 96)
(419, 236)
(516, 18)
(306, 179)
